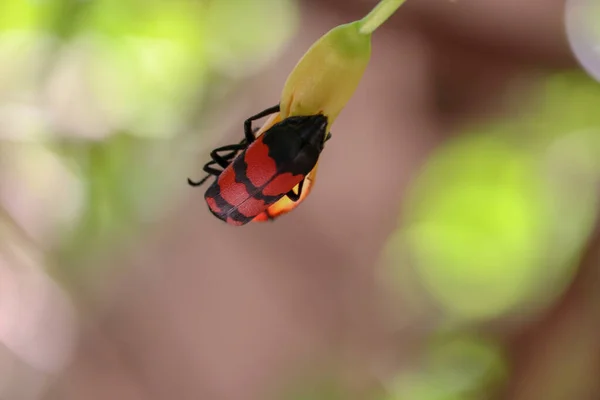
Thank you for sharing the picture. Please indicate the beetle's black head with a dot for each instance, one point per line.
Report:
(314, 129)
(296, 142)
(310, 129)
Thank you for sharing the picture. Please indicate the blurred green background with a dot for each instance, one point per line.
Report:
(448, 251)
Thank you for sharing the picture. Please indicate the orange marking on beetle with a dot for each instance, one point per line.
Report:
(285, 205)
(262, 217)
(252, 207)
(261, 167)
(231, 191)
(212, 204)
(282, 184)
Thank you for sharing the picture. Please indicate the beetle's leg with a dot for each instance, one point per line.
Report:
(209, 171)
(201, 181)
(225, 160)
(248, 131)
(296, 196)
(233, 151)
(217, 159)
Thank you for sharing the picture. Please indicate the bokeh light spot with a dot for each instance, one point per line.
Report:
(477, 226)
(582, 18)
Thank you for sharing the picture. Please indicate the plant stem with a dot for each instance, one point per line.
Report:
(379, 15)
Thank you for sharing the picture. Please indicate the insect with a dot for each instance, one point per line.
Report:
(259, 171)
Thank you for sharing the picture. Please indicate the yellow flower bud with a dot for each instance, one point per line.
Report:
(324, 80)
(326, 76)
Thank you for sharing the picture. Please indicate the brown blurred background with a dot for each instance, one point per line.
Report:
(195, 309)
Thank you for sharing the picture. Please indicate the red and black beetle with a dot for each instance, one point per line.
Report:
(263, 169)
